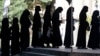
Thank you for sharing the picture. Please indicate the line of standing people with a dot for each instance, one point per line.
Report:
(20, 39)
(94, 37)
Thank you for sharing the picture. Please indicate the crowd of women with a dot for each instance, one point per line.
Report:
(20, 39)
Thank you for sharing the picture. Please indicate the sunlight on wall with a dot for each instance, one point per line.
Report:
(78, 4)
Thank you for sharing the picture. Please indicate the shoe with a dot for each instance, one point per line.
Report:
(67, 47)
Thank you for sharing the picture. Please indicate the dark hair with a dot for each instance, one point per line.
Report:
(85, 8)
(37, 8)
(59, 9)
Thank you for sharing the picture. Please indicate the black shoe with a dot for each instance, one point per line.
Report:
(84, 48)
(55, 47)
(81, 47)
(67, 47)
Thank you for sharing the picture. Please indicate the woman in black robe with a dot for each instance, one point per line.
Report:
(5, 37)
(46, 26)
(56, 38)
(68, 34)
(83, 24)
(25, 24)
(15, 46)
(94, 34)
(36, 28)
